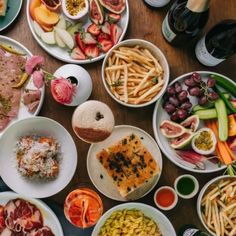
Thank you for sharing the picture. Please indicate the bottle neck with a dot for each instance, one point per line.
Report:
(198, 5)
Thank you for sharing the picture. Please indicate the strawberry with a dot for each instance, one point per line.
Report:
(91, 51)
(106, 28)
(77, 54)
(94, 29)
(105, 45)
(87, 38)
(103, 36)
(116, 32)
(113, 18)
(79, 41)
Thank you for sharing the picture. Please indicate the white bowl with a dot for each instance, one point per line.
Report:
(8, 170)
(159, 114)
(201, 194)
(79, 15)
(172, 205)
(157, 53)
(195, 191)
(162, 221)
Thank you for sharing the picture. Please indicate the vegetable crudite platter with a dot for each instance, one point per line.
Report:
(9, 10)
(125, 166)
(77, 31)
(129, 217)
(21, 215)
(42, 157)
(19, 97)
(194, 122)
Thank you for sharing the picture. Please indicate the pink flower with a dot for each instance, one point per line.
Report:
(62, 90)
(38, 78)
(32, 64)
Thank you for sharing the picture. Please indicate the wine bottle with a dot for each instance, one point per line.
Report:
(157, 3)
(185, 20)
(218, 44)
(191, 230)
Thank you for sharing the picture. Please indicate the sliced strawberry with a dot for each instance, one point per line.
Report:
(103, 36)
(113, 18)
(94, 29)
(116, 32)
(87, 38)
(106, 28)
(105, 45)
(78, 39)
(77, 54)
(91, 51)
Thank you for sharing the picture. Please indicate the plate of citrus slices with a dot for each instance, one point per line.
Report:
(78, 31)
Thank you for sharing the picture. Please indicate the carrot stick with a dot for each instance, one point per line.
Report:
(230, 151)
(223, 151)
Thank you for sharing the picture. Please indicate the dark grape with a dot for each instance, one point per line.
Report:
(178, 87)
(202, 100)
(195, 91)
(211, 83)
(196, 77)
(174, 117)
(189, 82)
(174, 101)
(169, 108)
(186, 105)
(182, 95)
(213, 96)
(182, 114)
(171, 90)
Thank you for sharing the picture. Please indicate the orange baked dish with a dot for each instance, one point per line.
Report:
(129, 164)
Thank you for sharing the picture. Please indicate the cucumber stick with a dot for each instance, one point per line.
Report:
(222, 119)
(206, 114)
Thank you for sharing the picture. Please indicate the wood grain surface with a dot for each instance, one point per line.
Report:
(145, 23)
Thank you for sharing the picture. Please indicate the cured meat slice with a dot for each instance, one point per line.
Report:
(30, 96)
(2, 219)
(4, 121)
(6, 232)
(44, 231)
(22, 216)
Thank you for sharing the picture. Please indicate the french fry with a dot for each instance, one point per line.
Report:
(125, 84)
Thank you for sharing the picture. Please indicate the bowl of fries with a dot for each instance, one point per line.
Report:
(135, 73)
(216, 206)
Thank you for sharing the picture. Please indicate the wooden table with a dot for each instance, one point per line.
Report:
(145, 23)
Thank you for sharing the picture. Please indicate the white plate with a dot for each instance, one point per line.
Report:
(33, 188)
(95, 169)
(23, 110)
(202, 193)
(159, 218)
(62, 54)
(49, 217)
(160, 114)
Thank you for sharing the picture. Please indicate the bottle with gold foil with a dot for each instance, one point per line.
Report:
(185, 20)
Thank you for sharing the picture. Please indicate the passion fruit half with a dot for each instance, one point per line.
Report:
(52, 5)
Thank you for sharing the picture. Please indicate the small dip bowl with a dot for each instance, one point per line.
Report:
(165, 198)
(69, 9)
(186, 186)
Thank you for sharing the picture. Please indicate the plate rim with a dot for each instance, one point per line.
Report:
(13, 19)
(38, 203)
(130, 204)
(154, 117)
(160, 164)
(29, 53)
(72, 171)
(72, 61)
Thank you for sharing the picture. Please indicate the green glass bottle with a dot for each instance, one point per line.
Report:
(191, 230)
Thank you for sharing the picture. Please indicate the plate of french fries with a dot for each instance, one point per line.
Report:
(135, 73)
(217, 206)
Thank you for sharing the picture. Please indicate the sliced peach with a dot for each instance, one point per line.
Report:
(34, 4)
(45, 16)
(47, 28)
